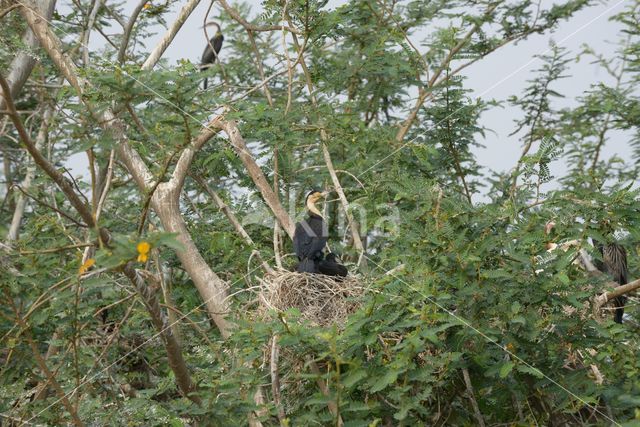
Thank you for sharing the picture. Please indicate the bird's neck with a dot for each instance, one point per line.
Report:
(313, 209)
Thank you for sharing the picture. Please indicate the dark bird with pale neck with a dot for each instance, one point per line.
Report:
(310, 236)
(212, 49)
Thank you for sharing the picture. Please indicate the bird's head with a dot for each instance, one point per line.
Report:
(212, 25)
(312, 198)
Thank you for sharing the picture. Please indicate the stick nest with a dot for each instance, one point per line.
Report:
(322, 300)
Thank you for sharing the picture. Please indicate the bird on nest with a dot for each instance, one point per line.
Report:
(212, 49)
(310, 238)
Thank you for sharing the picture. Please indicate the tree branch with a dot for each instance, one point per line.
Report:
(174, 353)
(23, 63)
(250, 27)
(237, 142)
(166, 40)
(127, 30)
(63, 182)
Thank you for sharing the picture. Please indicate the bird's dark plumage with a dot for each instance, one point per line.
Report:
(209, 55)
(614, 264)
(330, 266)
(310, 237)
(308, 242)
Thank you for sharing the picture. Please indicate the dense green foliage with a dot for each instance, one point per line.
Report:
(476, 293)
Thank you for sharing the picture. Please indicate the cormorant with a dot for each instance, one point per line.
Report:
(330, 266)
(209, 56)
(310, 236)
(614, 263)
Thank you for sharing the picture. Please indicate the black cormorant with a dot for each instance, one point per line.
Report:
(330, 266)
(210, 55)
(614, 263)
(310, 236)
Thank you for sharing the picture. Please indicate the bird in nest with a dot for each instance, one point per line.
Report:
(310, 238)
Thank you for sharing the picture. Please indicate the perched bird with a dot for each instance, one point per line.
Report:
(210, 55)
(330, 266)
(310, 236)
(614, 263)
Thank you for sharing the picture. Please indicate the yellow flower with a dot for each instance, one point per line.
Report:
(86, 266)
(147, 6)
(143, 251)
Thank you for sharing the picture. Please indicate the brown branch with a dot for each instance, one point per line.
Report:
(333, 407)
(63, 183)
(127, 30)
(237, 142)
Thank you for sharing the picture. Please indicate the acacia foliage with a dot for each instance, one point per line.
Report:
(471, 296)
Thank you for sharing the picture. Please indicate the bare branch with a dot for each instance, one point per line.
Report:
(237, 142)
(472, 397)
(87, 31)
(166, 40)
(127, 30)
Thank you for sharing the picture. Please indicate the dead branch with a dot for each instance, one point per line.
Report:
(601, 299)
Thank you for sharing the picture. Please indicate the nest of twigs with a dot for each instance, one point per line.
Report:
(322, 300)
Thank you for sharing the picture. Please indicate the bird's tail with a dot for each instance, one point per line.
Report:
(307, 266)
(619, 303)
